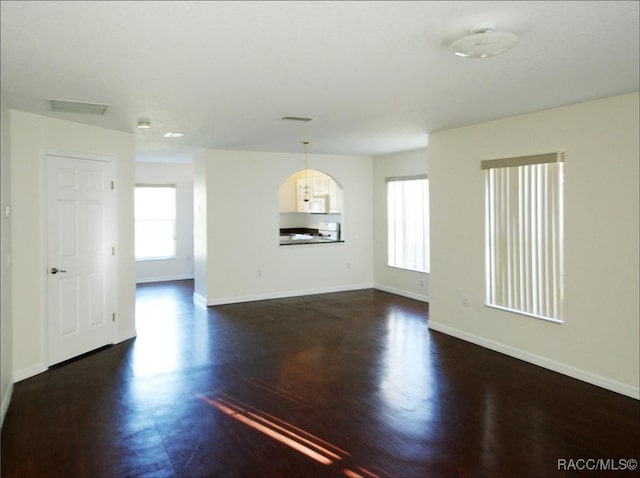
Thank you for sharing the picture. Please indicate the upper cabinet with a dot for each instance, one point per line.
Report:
(325, 196)
(335, 197)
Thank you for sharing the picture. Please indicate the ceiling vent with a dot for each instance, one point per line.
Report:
(296, 118)
(78, 107)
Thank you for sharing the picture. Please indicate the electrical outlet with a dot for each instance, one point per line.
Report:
(421, 282)
(465, 301)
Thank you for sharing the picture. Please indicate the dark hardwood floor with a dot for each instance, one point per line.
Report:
(346, 384)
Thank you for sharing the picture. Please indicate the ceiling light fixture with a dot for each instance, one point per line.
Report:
(484, 42)
(171, 134)
(306, 194)
(144, 124)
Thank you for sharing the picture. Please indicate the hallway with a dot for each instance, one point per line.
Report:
(345, 384)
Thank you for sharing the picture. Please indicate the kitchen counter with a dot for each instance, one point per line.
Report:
(290, 241)
(302, 235)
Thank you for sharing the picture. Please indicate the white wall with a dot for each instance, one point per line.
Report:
(244, 260)
(31, 136)
(599, 340)
(6, 342)
(200, 230)
(180, 175)
(391, 279)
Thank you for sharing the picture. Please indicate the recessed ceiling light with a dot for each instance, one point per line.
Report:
(171, 134)
(144, 124)
(484, 42)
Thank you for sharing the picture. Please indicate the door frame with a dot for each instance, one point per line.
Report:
(112, 264)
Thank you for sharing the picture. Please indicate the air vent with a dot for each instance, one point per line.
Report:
(296, 118)
(78, 107)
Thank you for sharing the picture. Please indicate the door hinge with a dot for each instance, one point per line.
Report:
(113, 251)
(113, 317)
(112, 185)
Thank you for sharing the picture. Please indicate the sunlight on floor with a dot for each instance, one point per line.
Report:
(407, 384)
(287, 434)
(157, 347)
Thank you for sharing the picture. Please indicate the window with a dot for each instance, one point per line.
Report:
(155, 216)
(524, 234)
(408, 223)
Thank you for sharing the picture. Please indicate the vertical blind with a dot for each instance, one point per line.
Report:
(408, 222)
(524, 234)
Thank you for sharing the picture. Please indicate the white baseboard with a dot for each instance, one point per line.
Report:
(281, 295)
(404, 293)
(29, 372)
(6, 399)
(144, 280)
(126, 335)
(580, 374)
(199, 300)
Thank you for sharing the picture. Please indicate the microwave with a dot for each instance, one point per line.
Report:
(318, 205)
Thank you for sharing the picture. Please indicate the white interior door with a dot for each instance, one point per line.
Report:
(79, 256)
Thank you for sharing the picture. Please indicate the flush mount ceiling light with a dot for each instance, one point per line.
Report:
(484, 42)
(144, 124)
(171, 134)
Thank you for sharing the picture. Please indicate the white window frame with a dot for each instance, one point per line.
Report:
(407, 246)
(171, 216)
(524, 235)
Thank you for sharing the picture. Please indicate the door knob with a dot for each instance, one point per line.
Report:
(55, 270)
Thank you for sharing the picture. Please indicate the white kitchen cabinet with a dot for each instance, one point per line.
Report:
(335, 197)
(291, 193)
(321, 186)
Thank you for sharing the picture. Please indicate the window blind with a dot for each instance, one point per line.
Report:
(524, 234)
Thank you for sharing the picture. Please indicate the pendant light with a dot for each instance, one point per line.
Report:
(306, 195)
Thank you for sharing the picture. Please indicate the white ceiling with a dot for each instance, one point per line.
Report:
(376, 76)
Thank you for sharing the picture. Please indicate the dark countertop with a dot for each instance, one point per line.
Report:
(287, 241)
(285, 231)
(302, 235)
